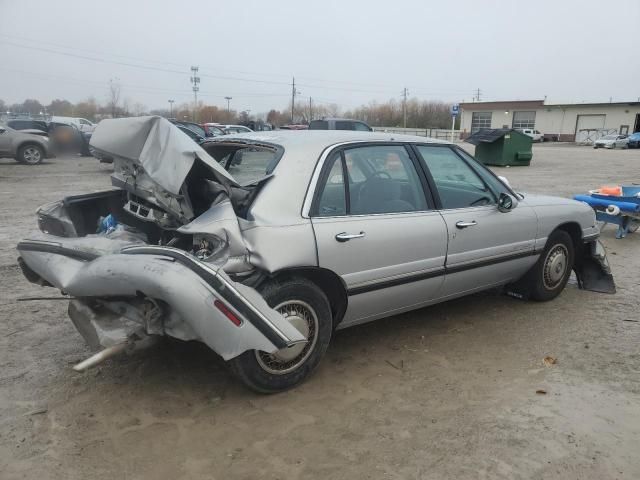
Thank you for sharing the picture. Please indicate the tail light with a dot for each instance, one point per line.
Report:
(228, 313)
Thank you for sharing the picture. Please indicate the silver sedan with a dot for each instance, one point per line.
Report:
(262, 245)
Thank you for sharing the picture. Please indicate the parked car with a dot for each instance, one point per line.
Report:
(191, 134)
(339, 124)
(634, 140)
(534, 134)
(213, 129)
(82, 124)
(195, 127)
(28, 124)
(231, 129)
(295, 126)
(612, 141)
(262, 260)
(23, 147)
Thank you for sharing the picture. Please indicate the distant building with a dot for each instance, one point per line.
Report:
(579, 122)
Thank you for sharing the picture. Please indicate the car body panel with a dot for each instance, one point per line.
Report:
(85, 268)
(382, 257)
(480, 255)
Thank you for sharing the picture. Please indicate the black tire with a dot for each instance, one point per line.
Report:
(548, 277)
(31, 154)
(266, 373)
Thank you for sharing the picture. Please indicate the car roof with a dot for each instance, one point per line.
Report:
(302, 149)
(318, 140)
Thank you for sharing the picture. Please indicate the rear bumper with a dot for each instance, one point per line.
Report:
(187, 288)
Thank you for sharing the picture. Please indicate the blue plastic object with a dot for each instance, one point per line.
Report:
(627, 219)
(605, 201)
(107, 224)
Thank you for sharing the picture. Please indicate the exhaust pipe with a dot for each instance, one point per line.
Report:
(101, 356)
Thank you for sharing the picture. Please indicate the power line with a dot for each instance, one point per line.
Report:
(221, 77)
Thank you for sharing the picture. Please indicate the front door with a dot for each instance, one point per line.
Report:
(376, 228)
(486, 247)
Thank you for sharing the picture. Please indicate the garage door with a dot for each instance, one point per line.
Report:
(588, 128)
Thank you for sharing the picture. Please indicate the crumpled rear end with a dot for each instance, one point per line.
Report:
(194, 300)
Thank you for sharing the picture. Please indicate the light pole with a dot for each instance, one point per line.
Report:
(195, 80)
(228, 99)
(170, 107)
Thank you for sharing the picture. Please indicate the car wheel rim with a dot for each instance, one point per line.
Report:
(305, 320)
(555, 266)
(31, 155)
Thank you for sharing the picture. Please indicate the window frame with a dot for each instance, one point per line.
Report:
(485, 113)
(479, 169)
(328, 165)
(519, 124)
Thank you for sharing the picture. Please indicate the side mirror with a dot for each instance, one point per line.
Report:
(505, 203)
(504, 180)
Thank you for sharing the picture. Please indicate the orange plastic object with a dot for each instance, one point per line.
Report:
(614, 191)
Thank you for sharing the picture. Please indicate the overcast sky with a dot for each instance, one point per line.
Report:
(347, 52)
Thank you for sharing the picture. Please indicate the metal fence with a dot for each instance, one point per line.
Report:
(439, 133)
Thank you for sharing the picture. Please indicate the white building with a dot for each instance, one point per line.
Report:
(580, 122)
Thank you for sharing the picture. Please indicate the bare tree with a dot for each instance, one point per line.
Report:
(114, 96)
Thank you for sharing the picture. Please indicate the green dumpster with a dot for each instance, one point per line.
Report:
(502, 146)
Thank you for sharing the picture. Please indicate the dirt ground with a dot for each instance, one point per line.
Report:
(447, 392)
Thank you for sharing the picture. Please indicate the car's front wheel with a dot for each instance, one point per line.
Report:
(548, 277)
(303, 304)
(30, 154)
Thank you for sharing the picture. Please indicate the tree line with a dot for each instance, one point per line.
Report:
(419, 113)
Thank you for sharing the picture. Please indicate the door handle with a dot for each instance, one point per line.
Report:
(462, 224)
(345, 237)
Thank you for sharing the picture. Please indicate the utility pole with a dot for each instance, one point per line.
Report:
(310, 111)
(228, 99)
(404, 107)
(195, 80)
(170, 107)
(293, 97)
(477, 95)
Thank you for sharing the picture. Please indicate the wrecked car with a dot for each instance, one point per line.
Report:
(261, 245)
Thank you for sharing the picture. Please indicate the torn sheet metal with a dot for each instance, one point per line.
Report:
(188, 286)
(165, 153)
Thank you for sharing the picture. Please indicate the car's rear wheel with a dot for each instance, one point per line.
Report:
(548, 277)
(303, 304)
(30, 154)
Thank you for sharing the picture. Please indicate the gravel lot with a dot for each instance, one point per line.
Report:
(443, 392)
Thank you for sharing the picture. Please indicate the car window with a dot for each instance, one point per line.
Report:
(247, 164)
(458, 184)
(332, 200)
(319, 125)
(360, 127)
(383, 179)
(342, 125)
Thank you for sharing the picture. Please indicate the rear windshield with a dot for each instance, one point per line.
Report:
(246, 163)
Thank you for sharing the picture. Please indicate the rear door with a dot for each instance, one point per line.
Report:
(486, 247)
(375, 226)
